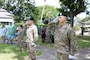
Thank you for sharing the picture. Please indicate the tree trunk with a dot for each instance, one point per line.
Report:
(72, 19)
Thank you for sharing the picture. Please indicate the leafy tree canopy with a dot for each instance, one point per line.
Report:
(71, 8)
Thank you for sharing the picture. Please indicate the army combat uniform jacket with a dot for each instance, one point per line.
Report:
(32, 34)
(65, 42)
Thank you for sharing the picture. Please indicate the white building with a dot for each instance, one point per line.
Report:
(6, 18)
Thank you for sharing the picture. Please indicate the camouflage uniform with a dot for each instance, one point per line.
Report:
(20, 39)
(65, 42)
(32, 36)
(47, 34)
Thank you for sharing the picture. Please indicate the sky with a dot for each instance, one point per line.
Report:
(83, 14)
(54, 3)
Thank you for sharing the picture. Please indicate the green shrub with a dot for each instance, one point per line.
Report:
(19, 23)
(0, 24)
(76, 28)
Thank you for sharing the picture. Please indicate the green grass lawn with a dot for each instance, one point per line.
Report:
(83, 42)
(10, 52)
(39, 42)
(0, 37)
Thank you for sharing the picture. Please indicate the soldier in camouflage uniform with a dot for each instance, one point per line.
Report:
(65, 42)
(20, 37)
(32, 36)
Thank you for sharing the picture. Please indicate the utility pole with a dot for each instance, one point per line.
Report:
(43, 11)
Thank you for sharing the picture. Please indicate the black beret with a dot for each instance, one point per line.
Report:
(62, 14)
(32, 19)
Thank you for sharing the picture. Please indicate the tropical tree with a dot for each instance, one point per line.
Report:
(85, 19)
(22, 9)
(1, 3)
(71, 8)
(50, 12)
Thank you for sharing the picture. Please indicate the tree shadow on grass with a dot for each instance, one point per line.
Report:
(8, 49)
(14, 50)
(84, 37)
(84, 41)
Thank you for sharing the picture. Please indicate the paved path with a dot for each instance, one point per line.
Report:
(49, 53)
(83, 54)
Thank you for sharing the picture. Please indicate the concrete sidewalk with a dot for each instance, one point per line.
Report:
(47, 53)
(83, 54)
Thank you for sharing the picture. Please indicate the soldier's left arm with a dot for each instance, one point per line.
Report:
(72, 41)
(35, 32)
